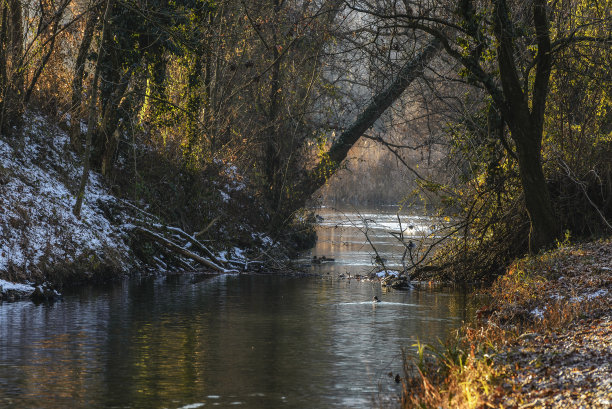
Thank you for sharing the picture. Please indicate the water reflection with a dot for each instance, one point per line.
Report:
(255, 341)
(341, 237)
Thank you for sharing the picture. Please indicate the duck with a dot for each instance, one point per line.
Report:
(380, 260)
(375, 299)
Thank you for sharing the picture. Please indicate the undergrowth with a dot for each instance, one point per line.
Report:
(462, 371)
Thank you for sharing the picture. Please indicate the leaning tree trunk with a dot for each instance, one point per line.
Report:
(379, 104)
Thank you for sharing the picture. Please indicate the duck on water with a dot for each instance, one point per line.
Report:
(322, 259)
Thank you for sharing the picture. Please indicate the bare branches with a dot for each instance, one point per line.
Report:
(180, 250)
(582, 187)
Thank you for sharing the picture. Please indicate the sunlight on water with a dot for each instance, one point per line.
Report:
(255, 341)
(342, 238)
(251, 341)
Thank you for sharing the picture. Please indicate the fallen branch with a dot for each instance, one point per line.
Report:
(178, 249)
(125, 202)
(190, 239)
(205, 229)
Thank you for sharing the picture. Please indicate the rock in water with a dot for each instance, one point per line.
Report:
(44, 293)
(396, 282)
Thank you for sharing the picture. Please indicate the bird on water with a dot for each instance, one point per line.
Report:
(375, 299)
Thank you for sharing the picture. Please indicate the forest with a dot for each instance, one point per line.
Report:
(498, 112)
(205, 135)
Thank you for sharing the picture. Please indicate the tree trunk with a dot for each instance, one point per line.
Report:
(274, 142)
(340, 148)
(91, 122)
(544, 226)
(41, 66)
(110, 122)
(11, 115)
(3, 58)
(525, 124)
(274, 152)
(77, 81)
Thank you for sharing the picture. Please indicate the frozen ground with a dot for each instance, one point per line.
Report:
(38, 182)
(42, 240)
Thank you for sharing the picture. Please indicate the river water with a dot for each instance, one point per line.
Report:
(253, 341)
(343, 237)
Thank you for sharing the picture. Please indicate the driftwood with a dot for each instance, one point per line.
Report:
(190, 239)
(178, 249)
(151, 226)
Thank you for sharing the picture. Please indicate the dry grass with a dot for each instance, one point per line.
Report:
(541, 294)
(458, 373)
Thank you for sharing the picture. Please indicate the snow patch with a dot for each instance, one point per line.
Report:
(8, 286)
(265, 239)
(192, 406)
(38, 182)
(239, 253)
(386, 273)
(538, 313)
(590, 296)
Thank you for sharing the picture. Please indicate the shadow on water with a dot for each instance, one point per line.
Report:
(256, 341)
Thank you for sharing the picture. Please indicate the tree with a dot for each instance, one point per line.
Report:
(92, 118)
(508, 49)
(11, 65)
(375, 108)
(79, 71)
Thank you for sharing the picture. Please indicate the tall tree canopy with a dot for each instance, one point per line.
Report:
(508, 49)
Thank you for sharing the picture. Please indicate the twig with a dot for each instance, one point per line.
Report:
(178, 249)
(580, 183)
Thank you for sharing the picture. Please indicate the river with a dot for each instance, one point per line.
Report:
(343, 237)
(253, 341)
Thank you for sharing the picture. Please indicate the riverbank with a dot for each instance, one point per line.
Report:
(42, 243)
(543, 341)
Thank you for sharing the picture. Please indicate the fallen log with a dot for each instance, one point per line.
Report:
(191, 239)
(178, 249)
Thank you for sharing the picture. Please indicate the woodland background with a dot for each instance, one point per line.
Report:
(495, 115)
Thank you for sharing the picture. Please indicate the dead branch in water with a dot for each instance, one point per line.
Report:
(178, 249)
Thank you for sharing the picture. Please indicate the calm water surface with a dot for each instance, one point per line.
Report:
(255, 341)
(342, 236)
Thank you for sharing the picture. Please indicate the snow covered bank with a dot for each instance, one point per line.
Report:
(39, 235)
(41, 241)
(13, 291)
